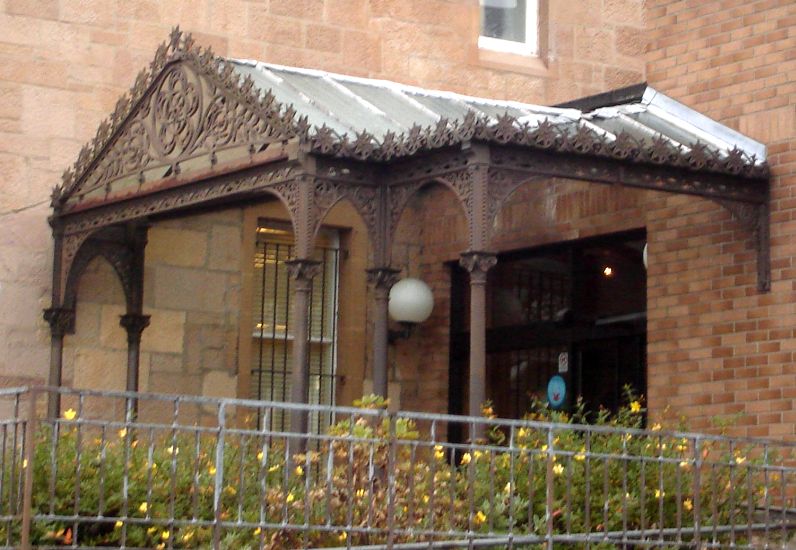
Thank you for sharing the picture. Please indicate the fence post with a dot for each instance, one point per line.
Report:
(551, 491)
(391, 482)
(27, 467)
(219, 480)
(697, 492)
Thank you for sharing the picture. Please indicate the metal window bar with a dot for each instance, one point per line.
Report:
(190, 471)
(270, 372)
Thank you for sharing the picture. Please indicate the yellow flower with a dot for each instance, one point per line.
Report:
(118, 524)
(24, 463)
(187, 536)
(257, 531)
(487, 411)
(299, 471)
(290, 498)
(740, 459)
(685, 464)
(122, 433)
(212, 470)
(522, 433)
(480, 517)
(478, 454)
(70, 414)
(173, 450)
(360, 493)
(164, 535)
(558, 469)
(581, 456)
(161, 546)
(656, 427)
(466, 458)
(688, 504)
(143, 507)
(425, 499)
(439, 453)
(659, 493)
(343, 536)
(260, 456)
(273, 468)
(230, 490)
(635, 407)
(151, 530)
(507, 488)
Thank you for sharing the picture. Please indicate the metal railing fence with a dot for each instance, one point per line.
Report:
(198, 472)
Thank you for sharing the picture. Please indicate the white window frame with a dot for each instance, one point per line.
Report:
(528, 48)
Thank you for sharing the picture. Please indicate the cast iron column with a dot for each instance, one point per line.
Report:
(62, 321)
(477, 264)
(382, 279)
(302, 271)
(134, 324)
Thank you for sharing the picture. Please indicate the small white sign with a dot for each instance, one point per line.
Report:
(563, 361)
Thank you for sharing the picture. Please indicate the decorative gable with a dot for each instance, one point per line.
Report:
(187, 112)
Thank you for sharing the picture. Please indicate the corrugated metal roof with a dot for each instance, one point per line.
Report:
(350, 106)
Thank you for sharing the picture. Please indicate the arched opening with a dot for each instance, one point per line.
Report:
(431, 233)
(95, 356)
(566, 299)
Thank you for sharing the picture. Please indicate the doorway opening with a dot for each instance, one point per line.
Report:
(575, 309)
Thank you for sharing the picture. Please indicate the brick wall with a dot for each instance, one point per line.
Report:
(64, 63)
(716, 345)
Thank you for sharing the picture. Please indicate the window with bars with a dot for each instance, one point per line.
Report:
(273, 336)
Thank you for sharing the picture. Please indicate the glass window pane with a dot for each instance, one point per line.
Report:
(504, 19)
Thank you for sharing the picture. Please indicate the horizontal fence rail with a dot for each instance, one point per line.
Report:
(124, 470)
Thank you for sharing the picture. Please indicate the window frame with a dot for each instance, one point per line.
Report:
(529, 48)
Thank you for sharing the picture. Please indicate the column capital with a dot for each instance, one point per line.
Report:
(477, 263)
(303, 270)
(61, 320)
(382, 277)
(134, 324)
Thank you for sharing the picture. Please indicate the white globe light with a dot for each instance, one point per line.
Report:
(644, 256)
(411, 301)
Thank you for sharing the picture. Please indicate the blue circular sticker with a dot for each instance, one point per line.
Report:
(556, 391)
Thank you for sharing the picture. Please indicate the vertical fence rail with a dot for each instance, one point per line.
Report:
(29, 447)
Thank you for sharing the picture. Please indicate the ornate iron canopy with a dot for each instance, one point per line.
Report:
(198, 130)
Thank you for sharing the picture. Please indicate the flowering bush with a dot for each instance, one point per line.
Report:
(609, 477)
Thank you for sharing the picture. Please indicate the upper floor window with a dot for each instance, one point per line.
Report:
(509, 26)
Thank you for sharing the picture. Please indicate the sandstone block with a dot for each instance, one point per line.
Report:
(165, 332)
(176, 247)
(219, 384)
(189, 289)
(100, 369)
(225, 248)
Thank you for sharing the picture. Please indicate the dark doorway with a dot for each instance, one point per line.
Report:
(576, 309)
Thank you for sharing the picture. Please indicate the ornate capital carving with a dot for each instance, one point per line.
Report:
(134, 324)
(477, 263)
(382, 278)
(61, 320)
(302, 271)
